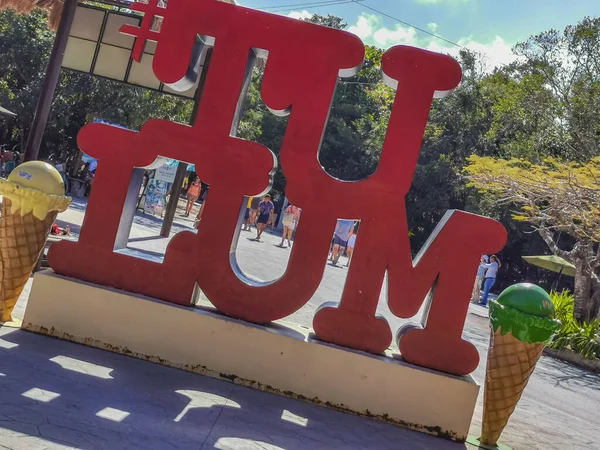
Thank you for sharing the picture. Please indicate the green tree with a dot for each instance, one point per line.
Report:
(329, 20)
(544, 105)
(523, 112)
(553, 197)
(456, 128)
(25, 44)
(567, 63)
(357, 122)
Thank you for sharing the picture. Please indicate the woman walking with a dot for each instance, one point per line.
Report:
(489, 277)
(192, 195)
(289, 221)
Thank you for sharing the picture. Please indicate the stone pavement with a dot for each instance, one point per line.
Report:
(559, 409)
(59, 395)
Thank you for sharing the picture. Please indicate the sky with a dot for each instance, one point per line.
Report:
(491, 27)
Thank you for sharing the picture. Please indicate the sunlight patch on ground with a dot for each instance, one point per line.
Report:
(79, 366)
(7, 345)
(227, 443)
(116, 415)
(40, 395)
(29, 442)
(199, 399)
(293, 418)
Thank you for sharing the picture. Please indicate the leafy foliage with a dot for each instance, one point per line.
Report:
(540, 116)
(357, 122)
(568, 65)
(25, 44)
(583, 338)
(545, 120)
(555, 195)
(552, 197)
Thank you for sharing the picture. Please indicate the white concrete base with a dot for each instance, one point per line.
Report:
(274, 358)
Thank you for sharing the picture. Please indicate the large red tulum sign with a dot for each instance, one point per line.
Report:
(303, 64)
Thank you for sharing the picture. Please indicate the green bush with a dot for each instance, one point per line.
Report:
(583, 338)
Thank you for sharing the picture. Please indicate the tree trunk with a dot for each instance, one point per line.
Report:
(594, 306)
(583, 291)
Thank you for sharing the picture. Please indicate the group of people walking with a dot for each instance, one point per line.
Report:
(344, 236)
(260, 210)
(263, 214)
(486, 277)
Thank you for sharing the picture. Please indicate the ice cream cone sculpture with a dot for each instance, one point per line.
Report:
(521, 322)
(32, 196)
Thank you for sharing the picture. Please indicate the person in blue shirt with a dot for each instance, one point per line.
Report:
(489, 278)
(475, 296)
(343, 230)
(265, 215)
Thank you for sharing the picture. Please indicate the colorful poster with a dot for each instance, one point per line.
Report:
(167, 171)
(155, 200)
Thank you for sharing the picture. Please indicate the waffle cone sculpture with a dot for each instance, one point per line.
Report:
(521, 325)
(32, 197)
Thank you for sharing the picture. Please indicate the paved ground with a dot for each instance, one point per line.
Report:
(59, 395)
(56, 394)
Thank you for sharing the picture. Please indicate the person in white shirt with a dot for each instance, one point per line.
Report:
(476, 294)
(490, 277)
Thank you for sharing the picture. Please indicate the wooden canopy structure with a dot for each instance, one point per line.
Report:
(54, 7)
(61, 14)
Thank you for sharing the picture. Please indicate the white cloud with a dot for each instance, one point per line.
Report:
(364, 26)
(384, 37)
(370, 28)
(496, 53)
(301, 15)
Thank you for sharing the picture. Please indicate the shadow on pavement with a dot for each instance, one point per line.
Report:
(567, 376)
(78, 204)
(61, 395)
(146, 238)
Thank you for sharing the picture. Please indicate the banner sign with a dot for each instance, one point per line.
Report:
(166, 172)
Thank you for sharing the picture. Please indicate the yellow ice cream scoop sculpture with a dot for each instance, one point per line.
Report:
(32, 196)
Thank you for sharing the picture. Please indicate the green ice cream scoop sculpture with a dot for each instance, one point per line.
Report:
(525, 310)
(522, 323)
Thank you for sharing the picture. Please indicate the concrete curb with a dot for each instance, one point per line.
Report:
(573, 358)
(479, 311)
